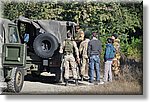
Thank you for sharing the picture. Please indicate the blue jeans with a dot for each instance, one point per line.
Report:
(94, 61)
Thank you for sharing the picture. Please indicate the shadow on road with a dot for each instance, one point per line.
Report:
(51, 80)
(43, 79)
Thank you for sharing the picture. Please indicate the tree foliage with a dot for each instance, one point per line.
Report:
(125, 19)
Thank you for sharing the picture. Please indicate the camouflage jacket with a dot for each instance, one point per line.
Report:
(83, 48)
(62, 47)
(79, 35)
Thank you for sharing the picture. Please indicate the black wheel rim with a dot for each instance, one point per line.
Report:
(46, 45)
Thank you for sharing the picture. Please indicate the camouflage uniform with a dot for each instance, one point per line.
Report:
(67, 49)
(116, 62)
(79, 37)
(83, 51)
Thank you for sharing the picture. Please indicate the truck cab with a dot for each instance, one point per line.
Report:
(12, 57)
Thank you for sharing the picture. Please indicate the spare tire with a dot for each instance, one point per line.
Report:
(45, 44)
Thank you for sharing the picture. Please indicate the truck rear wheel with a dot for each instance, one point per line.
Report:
(45, 44)
(17, 79)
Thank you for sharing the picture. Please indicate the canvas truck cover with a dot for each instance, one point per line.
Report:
(56, 28)
(4, 24)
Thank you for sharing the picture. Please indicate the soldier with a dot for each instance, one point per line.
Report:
(79, 37)
(83, 52)
(67, 49)
(116, 62)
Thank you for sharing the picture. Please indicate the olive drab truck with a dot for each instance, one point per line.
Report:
(12, 57)
(31, 47)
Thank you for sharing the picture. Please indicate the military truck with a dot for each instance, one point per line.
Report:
(31, 46)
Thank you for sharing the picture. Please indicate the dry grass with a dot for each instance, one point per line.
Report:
(114, 88)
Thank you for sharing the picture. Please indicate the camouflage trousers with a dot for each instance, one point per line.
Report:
(69, 61)
(84, 67)
(116, 67)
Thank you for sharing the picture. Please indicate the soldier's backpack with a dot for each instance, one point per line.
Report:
(68, 46)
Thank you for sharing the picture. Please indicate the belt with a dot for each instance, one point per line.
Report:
(68, 54)
(94, 54)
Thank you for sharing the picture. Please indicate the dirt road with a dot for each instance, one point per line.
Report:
(46, 85)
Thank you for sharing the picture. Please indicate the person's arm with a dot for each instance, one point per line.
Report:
(76, 49)
(107, 53)
(100, 47)
(81, 48)
(89, 49)
(62, 47)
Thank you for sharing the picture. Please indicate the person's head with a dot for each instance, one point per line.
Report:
(77, 27)
(114, 36)
(69, 35)
(87, 35)
(94, 34)
(109, 40)
(80, 32)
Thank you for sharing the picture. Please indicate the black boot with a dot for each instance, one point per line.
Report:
(66, 82)
(76, 82)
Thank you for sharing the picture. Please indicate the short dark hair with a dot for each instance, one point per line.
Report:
(115, 35)
(109, 40)
(86, 34)
(69, 34)
(94, 34)
(77, 26)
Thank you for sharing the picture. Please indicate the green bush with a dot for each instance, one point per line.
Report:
(135, 49)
